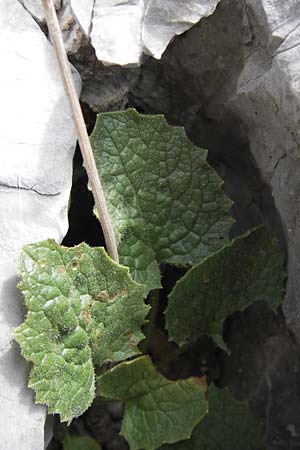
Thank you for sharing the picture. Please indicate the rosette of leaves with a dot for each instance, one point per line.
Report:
(83, 309)
(167, 206)
(166, 202)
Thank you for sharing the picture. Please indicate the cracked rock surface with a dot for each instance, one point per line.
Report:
(122, 31)
(35, 8)
(105, 88)
(37, 142)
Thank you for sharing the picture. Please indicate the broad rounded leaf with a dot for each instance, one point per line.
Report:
(82, 309)
(166, 202)
(156, 410)
(250, 269)
(229, 425)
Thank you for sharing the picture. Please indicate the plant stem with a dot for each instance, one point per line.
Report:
(83, 139)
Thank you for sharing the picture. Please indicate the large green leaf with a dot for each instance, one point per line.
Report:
(156, 410)
(166, 202)
(249, 270)
(82, 309)
(229, 425)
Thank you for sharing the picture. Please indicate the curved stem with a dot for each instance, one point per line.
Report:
(83, 138)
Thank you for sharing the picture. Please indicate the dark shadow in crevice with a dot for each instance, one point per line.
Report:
(83, 224)
(263, 367)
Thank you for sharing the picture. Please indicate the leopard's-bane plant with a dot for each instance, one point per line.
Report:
(167, 206)
(166, 202)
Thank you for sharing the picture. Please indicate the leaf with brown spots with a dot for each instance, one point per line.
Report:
(81, 306)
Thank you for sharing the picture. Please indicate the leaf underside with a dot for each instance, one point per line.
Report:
(156, 410)
(167, 204)
(251, 269)
(83, 309)
(229, 425)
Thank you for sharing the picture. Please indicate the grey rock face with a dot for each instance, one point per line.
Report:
(268, 101)
(105, 88)
(83, 11)
(35, 8)
(122, 31)
(37, 142)
(106, 36)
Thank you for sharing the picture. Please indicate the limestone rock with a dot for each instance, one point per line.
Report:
(83, 11)
(105, 88)
(35, 8)
(268, 101)
(37, 142)
(122, 31)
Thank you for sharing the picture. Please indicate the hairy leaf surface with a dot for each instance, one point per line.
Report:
(166, 202)
(156, 410)
(249, 270)
(82, 309)
(229, 425)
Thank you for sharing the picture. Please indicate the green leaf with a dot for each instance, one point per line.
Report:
(229, 425)
(251, 269)
(80, 443)
(156, 410)
(167, 204)
(82, 309)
